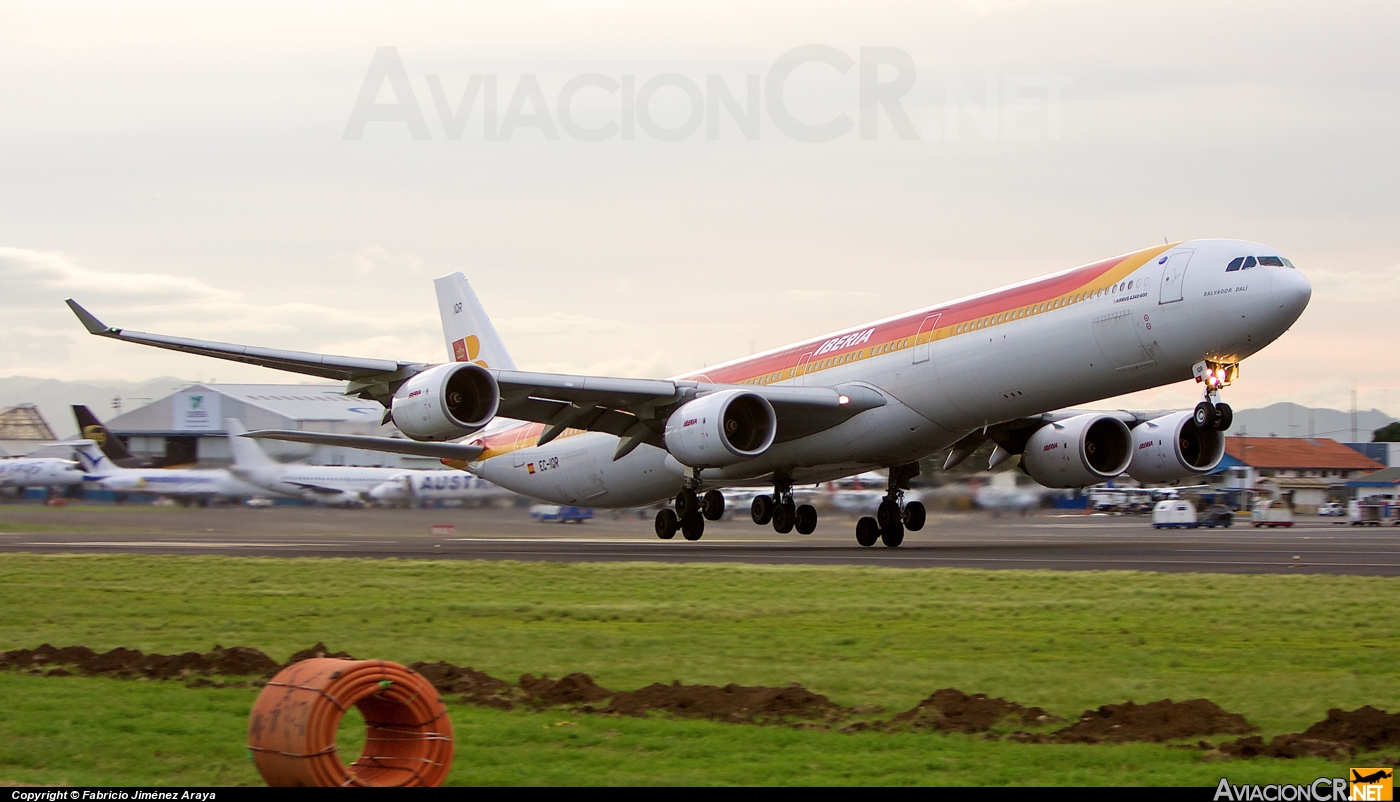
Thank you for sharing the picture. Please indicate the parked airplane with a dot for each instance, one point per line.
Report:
(202, 484)
(1004, 492)
(39, 472)
(1000, 365)
(346, 484)
(417, 486)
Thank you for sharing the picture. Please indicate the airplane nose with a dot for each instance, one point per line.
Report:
(1292, 291)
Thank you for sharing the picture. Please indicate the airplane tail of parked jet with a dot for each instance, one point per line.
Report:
(91, 458)
(247, 454)
(95, 430)
(468, 331)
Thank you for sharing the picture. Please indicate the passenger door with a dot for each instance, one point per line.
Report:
(1173, 276)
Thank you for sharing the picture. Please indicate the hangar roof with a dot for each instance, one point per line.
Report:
(302, 401)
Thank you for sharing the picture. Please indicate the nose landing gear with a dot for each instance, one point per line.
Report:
(894, 515)
(1212, 413)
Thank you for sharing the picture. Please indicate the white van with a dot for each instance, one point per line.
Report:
(1173, 513)
(1271, 513)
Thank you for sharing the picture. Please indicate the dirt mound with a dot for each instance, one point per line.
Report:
(319, 650)
(733, 703)
(1343, 732)
(119, 662)
(1162, 720)
(573, 689)
(1286, 746)
(1363, 729)
(951, 710)
(476, 687)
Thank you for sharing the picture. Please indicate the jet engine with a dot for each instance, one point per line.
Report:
(1079, 451)
(446, 402)
(1172, 447)
(721, 429)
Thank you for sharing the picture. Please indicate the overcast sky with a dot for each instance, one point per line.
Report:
(185, 168)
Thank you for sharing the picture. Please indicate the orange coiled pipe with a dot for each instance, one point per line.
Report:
(291, 732)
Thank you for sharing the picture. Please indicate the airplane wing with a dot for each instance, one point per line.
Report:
(314, 488)
(393, 445)
(633, 409)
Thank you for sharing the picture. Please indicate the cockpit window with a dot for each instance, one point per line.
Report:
(1248, 263)
(1271, 261)
(1286, 262)
(1235, 264)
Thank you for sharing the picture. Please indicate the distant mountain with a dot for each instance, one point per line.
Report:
(1295, 420)
(54, 398)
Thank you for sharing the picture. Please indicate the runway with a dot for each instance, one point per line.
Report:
(970, 540)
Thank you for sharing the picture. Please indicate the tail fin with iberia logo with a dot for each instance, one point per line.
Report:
(468, 331)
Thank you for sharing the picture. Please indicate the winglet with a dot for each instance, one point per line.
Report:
(92, 324)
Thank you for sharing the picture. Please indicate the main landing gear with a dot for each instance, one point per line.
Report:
(783, 512)
(690, 513)
(894, 515)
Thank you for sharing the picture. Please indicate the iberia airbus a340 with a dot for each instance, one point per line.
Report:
(1001, 366)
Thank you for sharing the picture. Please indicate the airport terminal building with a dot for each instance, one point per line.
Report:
(187, 427)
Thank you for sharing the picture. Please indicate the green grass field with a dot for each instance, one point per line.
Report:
(1278, 649)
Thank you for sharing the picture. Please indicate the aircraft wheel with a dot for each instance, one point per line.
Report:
(693, 527)
(762, 510)
(1204, 416)
(714, 505)
(686, 504)
(893, 536)
(784, 517)
(914, 516)
(806, 519)
(1224, 416)
(666, 524)
(887, 515)
(867, 531)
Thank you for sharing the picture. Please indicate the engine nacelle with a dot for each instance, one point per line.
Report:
(446, 402)
(721, 429)
(1173, 447)
(1078, 452)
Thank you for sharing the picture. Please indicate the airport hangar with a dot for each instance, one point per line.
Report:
(188, 426)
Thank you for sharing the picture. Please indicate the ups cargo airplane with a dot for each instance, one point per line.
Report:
(1001, 366)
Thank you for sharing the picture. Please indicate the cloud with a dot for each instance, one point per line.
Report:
(41, 337)
(376, 259)
(34, 277)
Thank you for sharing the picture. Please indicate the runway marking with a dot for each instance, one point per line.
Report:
(183, 544)
(639, 540)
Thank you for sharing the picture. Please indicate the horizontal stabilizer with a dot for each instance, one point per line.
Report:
(393, 445)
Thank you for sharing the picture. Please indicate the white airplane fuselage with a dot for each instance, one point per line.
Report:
(39, 472)
(181, 482)
(1118, 326)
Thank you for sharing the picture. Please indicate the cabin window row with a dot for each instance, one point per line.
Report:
(1046, 306)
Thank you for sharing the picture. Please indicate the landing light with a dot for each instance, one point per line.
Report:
(843, 399)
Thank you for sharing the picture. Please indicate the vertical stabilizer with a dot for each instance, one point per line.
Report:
(468, 331)
(95, 430)
(247, 454)
(92, 460)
